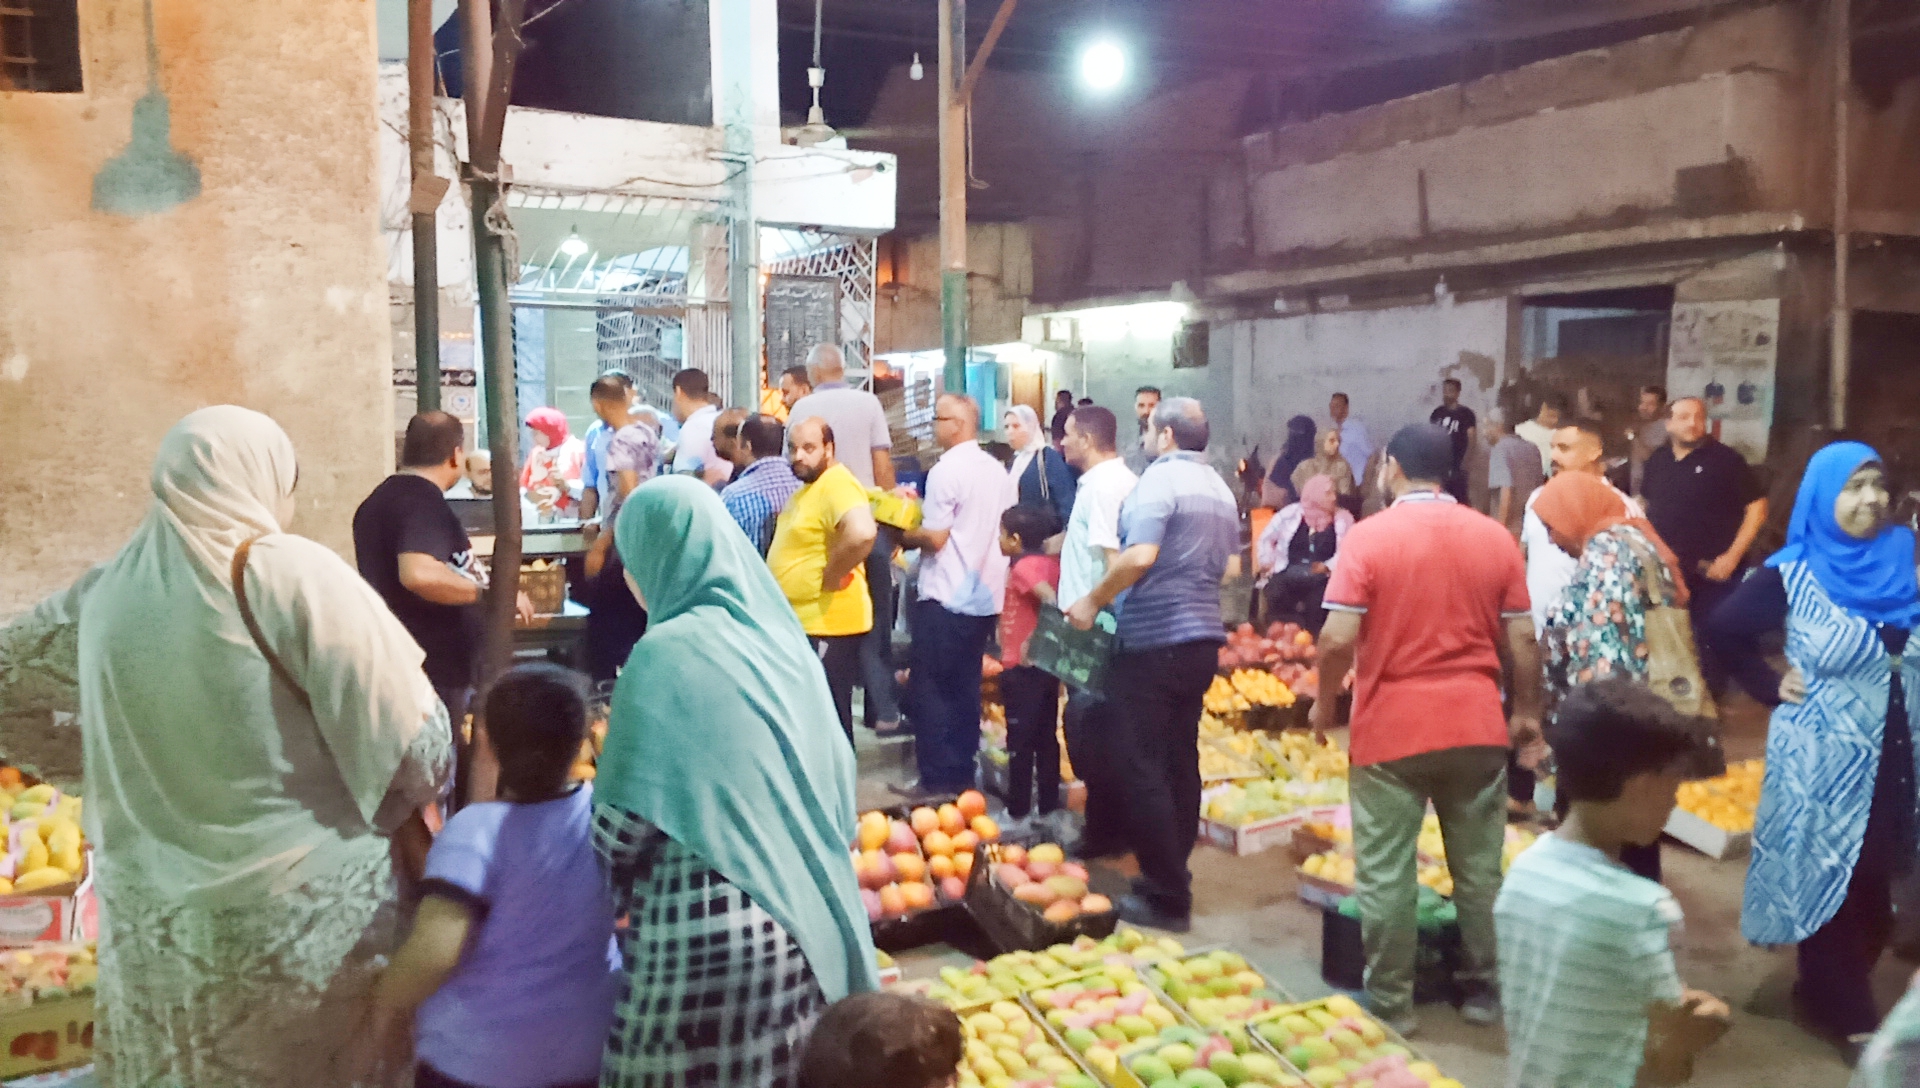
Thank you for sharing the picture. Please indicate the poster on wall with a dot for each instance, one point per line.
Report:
(1724, 353)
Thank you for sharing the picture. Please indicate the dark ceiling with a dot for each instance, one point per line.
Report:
(1310, 56)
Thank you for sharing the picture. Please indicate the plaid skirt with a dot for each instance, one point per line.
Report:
(717, 992)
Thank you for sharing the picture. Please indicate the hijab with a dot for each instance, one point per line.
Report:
(1299, 448)
(1580, 506)
(1036, 441)
(1873, 579)
(551, 422)
(207, 780)
(723, 734)
(1318, 503)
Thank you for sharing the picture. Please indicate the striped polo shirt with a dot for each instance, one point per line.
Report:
(1584, 949)
(1182, 505)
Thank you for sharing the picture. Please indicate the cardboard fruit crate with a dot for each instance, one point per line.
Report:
(46, 1036)
(62, 912)
(1716, 843)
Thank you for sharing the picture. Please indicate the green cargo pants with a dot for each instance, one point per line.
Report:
(1468, 788)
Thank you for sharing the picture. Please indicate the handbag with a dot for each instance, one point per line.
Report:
(1673, 659)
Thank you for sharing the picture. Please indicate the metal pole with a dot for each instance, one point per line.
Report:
(953, 194)
(425, 198)
(1841, 320)
(743, 233)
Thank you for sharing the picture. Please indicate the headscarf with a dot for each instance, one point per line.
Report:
(1299, 447)
(1873, 579)
(1579, 506)
(206, 780)
(1318, 501)
(723, 734)
(1036, 441)
(551, 422)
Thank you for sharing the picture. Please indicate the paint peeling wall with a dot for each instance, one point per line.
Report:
(265, 290)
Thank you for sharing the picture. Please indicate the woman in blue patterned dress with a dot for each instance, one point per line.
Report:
(1599, 626)
(1837, 807)
(724, 810)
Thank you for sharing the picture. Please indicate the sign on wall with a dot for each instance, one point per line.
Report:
(800, 311)
(1724, 353)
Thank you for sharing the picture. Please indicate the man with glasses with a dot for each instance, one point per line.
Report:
(963, 581)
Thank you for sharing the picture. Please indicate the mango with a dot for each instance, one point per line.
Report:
(42, 793)
(26, 810)
(35, 879)
(37, 856)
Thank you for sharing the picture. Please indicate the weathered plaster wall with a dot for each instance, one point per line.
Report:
(907, 306)
(266, 290)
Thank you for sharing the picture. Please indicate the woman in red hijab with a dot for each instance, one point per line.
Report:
(554, 463)
(1598, 628)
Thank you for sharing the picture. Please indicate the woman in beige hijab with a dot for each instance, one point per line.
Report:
(240, 809)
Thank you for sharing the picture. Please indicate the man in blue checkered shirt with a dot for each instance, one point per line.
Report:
(765, 480)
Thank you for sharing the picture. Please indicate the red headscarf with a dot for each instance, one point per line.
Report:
(1579, 506)
(551, 422)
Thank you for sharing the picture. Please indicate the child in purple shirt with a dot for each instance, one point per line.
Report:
(510, 973)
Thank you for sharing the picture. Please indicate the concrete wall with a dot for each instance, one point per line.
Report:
(1389, 361)
(264, 290)
(907, 303)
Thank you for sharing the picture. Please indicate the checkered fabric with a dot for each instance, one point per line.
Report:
(757, 496)
(718, 993)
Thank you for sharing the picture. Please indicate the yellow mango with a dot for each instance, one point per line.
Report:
(45, 876)
(6, 886)
(37, 856)
(42, 793)
(67, 857)
(64, 838)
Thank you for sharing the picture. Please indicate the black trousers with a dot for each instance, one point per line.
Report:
(1032, 699)
(615, 620)
(1296, 594)
(1091, 729)
(1706, 595)
(840, 657)
(1157, 696)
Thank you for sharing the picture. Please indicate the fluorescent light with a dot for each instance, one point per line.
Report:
(574, 246)
(1103, 65)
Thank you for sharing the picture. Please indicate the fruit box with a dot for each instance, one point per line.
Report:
(1048, 1034)
(1323, 1005)
(929, 925)
(1199, 1046)
(63, 912)
(1011, 925)
(46, 1035)
(1116, 1075)
(1712, 841)
(1151, 973)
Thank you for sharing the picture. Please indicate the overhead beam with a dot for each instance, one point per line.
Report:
(979, 62)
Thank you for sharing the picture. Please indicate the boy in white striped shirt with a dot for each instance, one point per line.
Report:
(1587, 973)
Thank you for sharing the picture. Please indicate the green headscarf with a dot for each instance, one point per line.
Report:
(723, 734)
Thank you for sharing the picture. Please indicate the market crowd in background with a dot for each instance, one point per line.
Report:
(741, 587)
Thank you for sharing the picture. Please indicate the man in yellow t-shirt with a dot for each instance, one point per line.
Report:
(819, 552)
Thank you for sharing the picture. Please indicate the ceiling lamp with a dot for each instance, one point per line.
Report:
(574, 245)
(1103, 65)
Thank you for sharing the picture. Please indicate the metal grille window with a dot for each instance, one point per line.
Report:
(40, 45)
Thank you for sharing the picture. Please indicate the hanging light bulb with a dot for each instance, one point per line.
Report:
(917, 71)
(574, 246)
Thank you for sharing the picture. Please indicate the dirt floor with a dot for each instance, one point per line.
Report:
(1251, 905)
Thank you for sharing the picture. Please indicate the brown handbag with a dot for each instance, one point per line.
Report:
(1673, 658)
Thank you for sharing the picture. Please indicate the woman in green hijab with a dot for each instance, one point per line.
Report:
(724, 810)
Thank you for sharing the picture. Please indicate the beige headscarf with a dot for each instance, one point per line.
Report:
(206, 779)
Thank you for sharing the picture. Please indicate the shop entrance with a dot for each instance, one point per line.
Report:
(1597, 349)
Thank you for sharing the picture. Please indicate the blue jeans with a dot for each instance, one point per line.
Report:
(946, 694)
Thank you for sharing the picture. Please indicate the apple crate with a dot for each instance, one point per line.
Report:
(1712, 841)
(1010, 925)
(46, 1035)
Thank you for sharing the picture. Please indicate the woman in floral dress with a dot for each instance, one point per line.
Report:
(1599, 626)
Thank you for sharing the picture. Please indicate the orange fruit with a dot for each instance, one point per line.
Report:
(951, 821)
(910, 867)
(971, 804)
(873, 831)
(892, 900)
(963, 865)
(964, 842)
(923, 820)
(917, 896)
(940, 866)
(937, 842)
(984, 827)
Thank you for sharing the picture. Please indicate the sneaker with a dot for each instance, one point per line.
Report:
(1405, 1023)
(1138, 911)
(1482, 1005)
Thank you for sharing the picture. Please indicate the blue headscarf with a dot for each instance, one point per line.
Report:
(1873, 579)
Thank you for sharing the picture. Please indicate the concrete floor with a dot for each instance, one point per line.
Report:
(1251, 905)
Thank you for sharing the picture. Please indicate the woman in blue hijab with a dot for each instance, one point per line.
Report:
(1837, 815)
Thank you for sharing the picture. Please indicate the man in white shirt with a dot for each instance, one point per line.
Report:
(695, 410)
(1576, 447)
(1539, 430)
(1356, 445)
(1092, 543)
(963, 582)
(866, 448)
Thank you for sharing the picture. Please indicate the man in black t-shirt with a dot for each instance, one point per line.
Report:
(1460, 425)
(412, 549)
(1706, 503)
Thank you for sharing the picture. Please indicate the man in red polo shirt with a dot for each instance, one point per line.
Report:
(1424, 595)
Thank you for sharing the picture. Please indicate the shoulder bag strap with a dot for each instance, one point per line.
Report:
(279, 667)
(1040, 459)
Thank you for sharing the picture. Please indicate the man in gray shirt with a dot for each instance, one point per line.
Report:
(859, 425)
